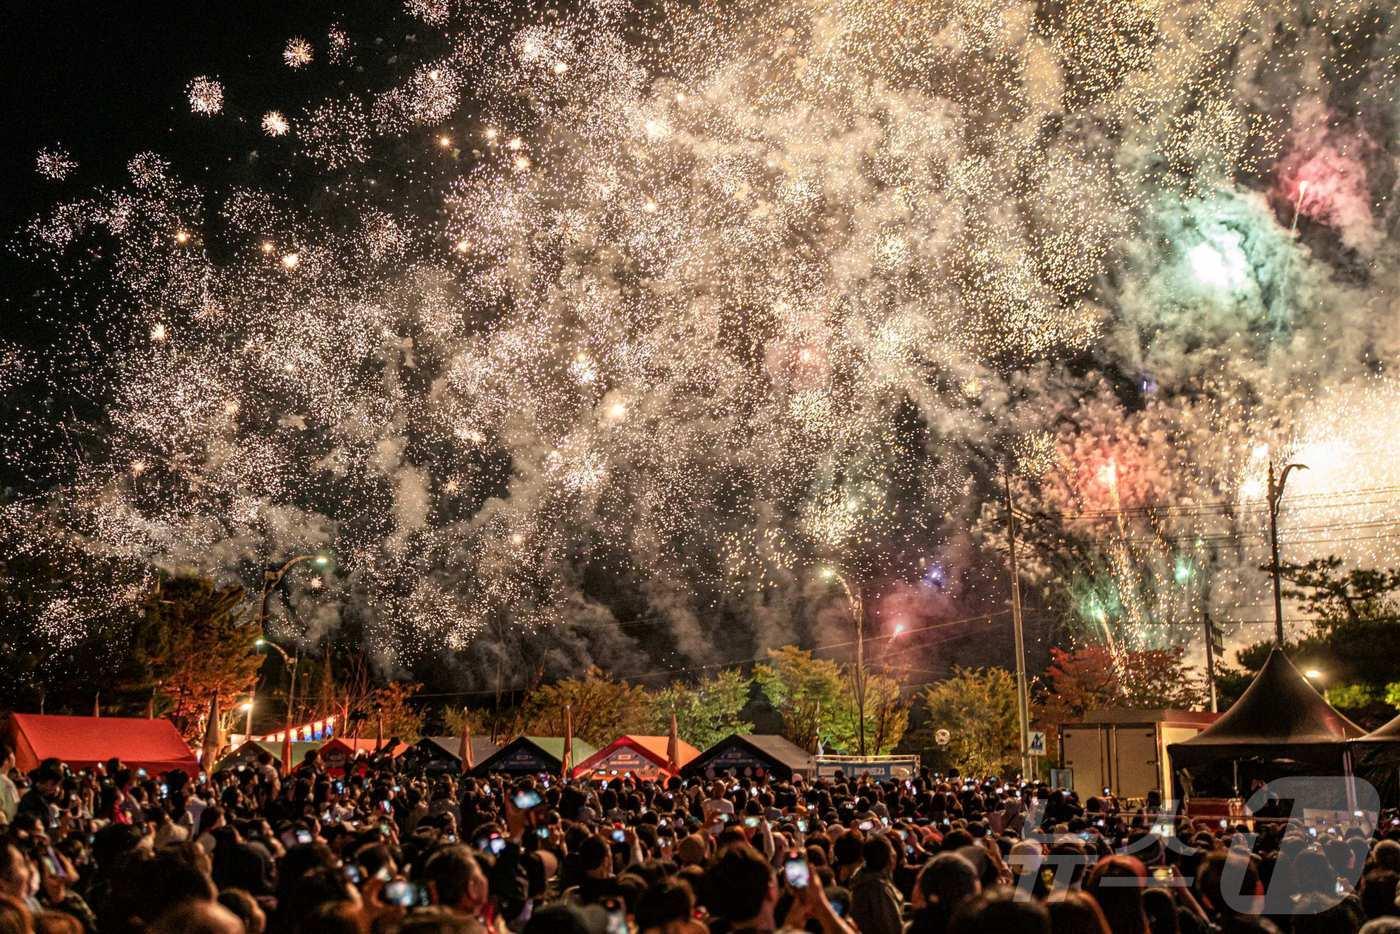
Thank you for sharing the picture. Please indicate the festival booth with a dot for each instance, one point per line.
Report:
(82, 742)
(646, 757)
(443, 753)
(340, 752)
(1376, 758)
(531, 755)
(755, 755)
(1279, 727)
(247, 753)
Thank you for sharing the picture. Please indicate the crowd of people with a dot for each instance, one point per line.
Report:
(374, 848)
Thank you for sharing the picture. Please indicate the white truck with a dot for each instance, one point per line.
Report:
(1125, 751)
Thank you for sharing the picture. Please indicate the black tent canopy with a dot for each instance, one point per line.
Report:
(751, 754)
(1279, 718)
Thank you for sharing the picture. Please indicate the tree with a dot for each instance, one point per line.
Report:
(707, 711)
(193, 640)
(391, 704)
(1333, 597)
(497, 724)
(978, 707)
(808, 693)
(886, 716)
(603, 709)
(1091, 677)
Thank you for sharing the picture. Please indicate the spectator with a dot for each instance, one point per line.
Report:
(876, 905)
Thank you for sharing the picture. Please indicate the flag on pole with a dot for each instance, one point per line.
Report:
(568, 741)
(673, 747)
(213, 739)
(465, 753)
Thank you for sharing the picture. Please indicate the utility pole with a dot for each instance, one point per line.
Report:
(1022, 700)
(1275, 497)
(1212, 634)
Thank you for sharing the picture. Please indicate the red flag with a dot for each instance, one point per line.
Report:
(568, 740)
(465, 753)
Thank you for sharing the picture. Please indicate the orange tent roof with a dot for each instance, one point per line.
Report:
(361, 745)
(642, 754)
(82, 742)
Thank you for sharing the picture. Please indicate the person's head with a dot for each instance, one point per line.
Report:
(455, 879)
(1076, 912)
(7, 759)
(1000, 911)
(741, 884)
(1228, 883)
(669, 901)
(947, 880)
(1116, 883)
(877, 853)
(595, 856)
(16, 873)
(1160, 908)
(848, 849)
(246, 908)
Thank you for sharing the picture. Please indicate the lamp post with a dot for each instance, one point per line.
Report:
(857, 608)
(271, 578)
(1275, 498)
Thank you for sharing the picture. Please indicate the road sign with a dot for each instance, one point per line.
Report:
(1035, 743)
(942, 737)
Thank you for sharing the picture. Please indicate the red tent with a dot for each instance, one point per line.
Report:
(82, 742)
(337, 753)
(643, 756)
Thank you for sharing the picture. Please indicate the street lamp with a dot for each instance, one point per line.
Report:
(1275, 497)
(857, 608)
(271, 578)
(1312, 674)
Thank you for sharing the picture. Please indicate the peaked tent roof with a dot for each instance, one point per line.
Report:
(248, 750)
(1385, 733)
(81, 742)
(652, 749)
(1279, 716)
(447, 747)
(738, 751)
(531, 754)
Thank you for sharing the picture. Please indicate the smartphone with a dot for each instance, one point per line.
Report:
(526, 798)
(353, 874)
(164, 789)
(303, 836)
(339, 787)
(751, 822)
(838, 907)
(386, 807)
(404, 894)
(796, 871)
(1164, 829)
(542, 833)
(802, 824)
(619, 835)
(866, 826)
(1106, 791)
(1162, 874)
(617, 916)
(1224, 823)
(1341, 887)
(493, 844)
(1312, 831)
(141, 773)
